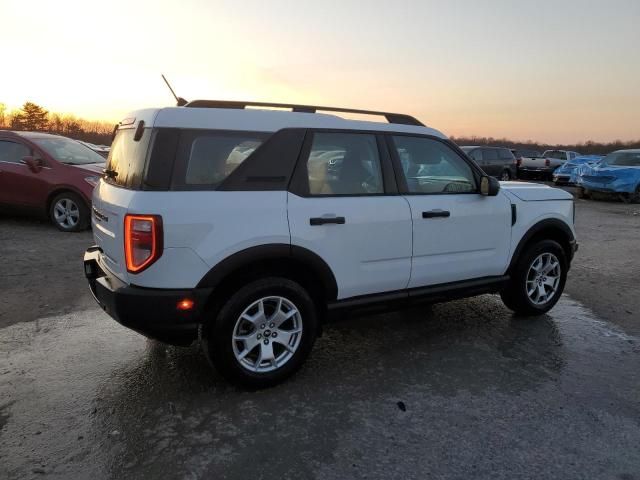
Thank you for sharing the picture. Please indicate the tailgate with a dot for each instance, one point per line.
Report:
(110, 205)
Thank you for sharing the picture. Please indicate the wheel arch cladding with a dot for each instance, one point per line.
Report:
(549, 229)
(290, 261)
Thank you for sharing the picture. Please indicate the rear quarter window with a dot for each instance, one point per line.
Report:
(207, 158)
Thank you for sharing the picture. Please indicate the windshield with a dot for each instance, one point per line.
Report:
(623, 159)
(68, 151)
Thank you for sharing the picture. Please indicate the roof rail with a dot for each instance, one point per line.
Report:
(399, 118)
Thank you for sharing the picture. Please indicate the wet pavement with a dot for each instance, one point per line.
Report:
(458, 390)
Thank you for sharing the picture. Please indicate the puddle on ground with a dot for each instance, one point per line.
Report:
(81, 396)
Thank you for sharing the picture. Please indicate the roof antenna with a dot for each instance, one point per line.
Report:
(180, 102)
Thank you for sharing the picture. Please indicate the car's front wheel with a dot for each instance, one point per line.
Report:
(538, 279)
(505, 176)
(69, 213)
(263, 333)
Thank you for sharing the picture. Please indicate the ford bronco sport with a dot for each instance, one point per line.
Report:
(247, 227)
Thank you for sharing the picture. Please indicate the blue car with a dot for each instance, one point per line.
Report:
(618, 173)
(567, 173)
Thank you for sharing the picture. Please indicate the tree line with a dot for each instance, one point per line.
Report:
(33, 117)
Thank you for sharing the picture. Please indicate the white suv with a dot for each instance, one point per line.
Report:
(246, 228)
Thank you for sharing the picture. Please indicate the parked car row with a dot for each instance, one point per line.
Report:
(618, 173)
(50, 175)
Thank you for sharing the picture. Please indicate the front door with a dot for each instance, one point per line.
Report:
(458, 234)
(341, 209)
(19, 185)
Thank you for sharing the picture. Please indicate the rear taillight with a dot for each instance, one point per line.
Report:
(547, 162)
(142, 241)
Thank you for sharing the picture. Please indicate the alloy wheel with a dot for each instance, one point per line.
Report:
(66, 213)
(267, 334)
(543, 278)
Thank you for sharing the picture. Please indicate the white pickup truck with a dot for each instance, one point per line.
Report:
(542, 167)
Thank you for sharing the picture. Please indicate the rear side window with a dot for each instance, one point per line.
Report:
(489, 154)
(126, 162)
(506, 154)
(210, 157)
(344, 164)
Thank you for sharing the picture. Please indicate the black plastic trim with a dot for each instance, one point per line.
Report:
(149, 311)
(271, 166)
(245, 258)
(397, 118)
(432, 294)
(552, 223)
(514, 214)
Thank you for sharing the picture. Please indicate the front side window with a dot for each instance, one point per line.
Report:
(344, 164)
(505, 154)
(214, 156)
(555, 154)
(430, 166)
(13, 152)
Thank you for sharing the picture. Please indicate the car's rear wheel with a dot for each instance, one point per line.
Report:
(538, 279)
(69, 213)
(582, 193)
(263, 333)
(505, 176)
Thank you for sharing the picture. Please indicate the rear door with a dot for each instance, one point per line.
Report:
(343, 206)
(491, 161)
(111, 197)
(458, 234)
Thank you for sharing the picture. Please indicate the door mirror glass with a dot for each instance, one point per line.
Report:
(489, 186)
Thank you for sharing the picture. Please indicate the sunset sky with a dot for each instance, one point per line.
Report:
(549, 70)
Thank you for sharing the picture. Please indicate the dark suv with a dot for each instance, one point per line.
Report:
(48, 174)
(495, 161)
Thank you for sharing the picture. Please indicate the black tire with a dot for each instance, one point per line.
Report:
(505, 176)
(84, 217)
(582, 193)
(515, 295)
(217, 338)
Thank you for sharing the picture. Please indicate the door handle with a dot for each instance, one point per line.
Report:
(436, 214)
(324, 220)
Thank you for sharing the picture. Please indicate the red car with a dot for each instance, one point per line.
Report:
(49, 174)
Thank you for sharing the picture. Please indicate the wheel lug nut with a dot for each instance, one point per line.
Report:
(271, 325)
(262, 326)
(274, 334)
(259, 336)
(266, 341)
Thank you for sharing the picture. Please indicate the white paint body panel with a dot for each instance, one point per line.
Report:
(370, 253)
(385, 244)
(473, 242)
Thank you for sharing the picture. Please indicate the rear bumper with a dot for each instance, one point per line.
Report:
(149, 311)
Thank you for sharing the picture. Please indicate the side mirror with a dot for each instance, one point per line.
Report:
(489, 186)
(34, 164)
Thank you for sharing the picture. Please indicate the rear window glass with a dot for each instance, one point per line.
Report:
(126, 162)
(556, 154)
